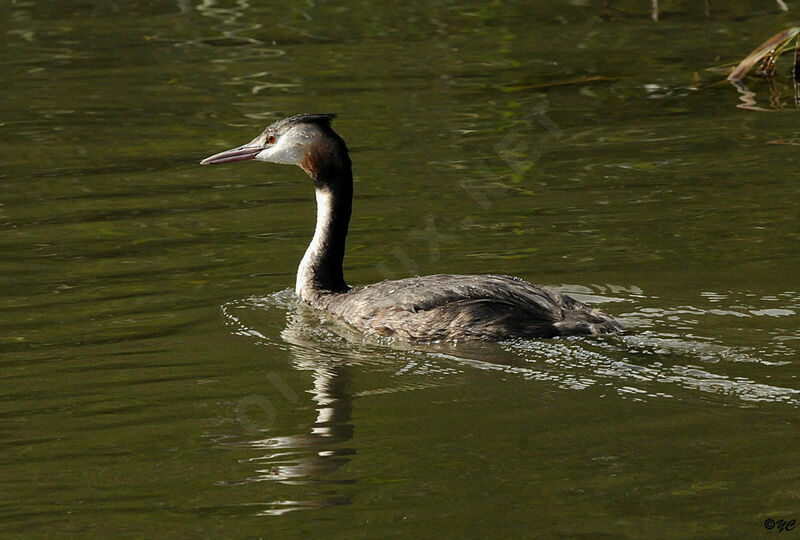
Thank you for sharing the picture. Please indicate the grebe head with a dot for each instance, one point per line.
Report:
(306, 140)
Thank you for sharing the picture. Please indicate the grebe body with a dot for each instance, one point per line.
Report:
(441, 307)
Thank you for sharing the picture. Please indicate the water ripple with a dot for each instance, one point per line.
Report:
(652, 360)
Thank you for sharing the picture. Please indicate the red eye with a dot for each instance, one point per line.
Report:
(271, 139)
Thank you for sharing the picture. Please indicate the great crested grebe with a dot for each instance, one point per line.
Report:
(442, 307)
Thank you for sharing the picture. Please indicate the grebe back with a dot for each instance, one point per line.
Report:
(441, 307)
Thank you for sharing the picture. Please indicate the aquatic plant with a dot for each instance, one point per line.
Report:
(767, 53)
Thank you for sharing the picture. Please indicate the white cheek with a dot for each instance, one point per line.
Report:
(289, 152)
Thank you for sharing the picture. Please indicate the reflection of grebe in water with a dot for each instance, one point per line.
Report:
(309, 457)
(312, 455)
(430, 308)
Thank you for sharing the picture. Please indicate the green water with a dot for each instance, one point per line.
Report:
(158, 379)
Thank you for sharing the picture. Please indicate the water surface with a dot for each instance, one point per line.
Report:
(159, 377)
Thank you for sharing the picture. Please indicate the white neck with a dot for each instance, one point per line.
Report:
(306, 272)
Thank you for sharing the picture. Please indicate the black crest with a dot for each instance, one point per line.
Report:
(321, 119)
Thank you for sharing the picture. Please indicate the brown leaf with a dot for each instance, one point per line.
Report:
(773, 45)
